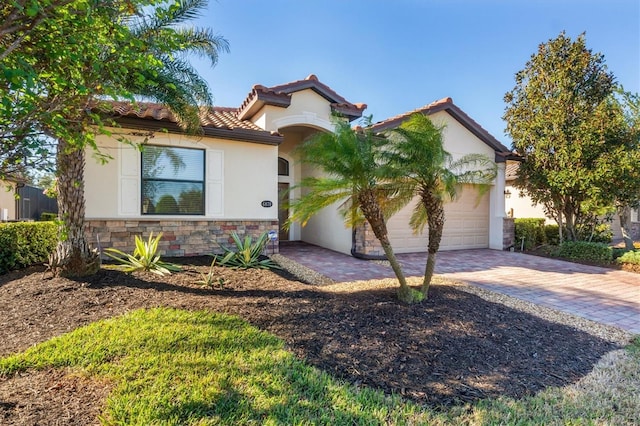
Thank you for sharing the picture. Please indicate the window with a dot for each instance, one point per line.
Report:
(172, 181)
(283, 167)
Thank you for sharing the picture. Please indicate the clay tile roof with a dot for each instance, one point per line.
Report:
(220, 122)
(280, 96)
(446, 104)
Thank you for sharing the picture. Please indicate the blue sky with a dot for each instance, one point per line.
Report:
(399, 55)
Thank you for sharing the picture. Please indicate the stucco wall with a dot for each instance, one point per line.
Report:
(307, 108)
(327, 228)
(239, 176)
(7, 200)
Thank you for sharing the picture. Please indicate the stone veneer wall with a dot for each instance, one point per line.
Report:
(179, 237)
(508, 233)
(366, 241)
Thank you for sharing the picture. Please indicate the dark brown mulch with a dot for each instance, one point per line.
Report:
(454, 348)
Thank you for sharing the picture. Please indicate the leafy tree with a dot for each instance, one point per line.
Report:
(421, 167)
(355, 177)
(560, 121)
(81, 53)
(624, 177)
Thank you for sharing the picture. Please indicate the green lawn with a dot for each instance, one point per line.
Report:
(175, 367)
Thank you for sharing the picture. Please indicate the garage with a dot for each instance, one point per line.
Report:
(466, 225)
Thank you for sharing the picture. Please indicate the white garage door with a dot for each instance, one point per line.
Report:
(466, 225)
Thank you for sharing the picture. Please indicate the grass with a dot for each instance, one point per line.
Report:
(176, 367)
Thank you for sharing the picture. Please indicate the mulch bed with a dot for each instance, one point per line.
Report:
(454, 348)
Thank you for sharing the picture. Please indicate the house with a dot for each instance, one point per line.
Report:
(520, 205)
(7, 200)
(198, 190)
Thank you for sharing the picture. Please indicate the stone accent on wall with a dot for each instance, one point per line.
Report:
(508, 233)
(179, 237)
(366, 241)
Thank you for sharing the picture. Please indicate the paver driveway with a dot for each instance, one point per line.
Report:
(607, 296)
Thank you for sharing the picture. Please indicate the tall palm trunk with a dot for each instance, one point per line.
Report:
(435, 221)
(73, 256)
(371, 211)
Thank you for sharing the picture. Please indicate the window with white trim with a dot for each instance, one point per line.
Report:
(172, 181)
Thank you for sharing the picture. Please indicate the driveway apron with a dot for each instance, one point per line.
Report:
(599, 294)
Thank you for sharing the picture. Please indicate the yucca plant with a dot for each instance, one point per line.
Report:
(247, 254)
(144, 257)
(209, 279)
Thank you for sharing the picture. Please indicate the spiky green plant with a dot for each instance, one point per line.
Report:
(247, 254)
(209, 279)
(144, 257)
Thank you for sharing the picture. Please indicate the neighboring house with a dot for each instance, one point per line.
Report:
(197, 190)
(32, 202)
(7, 200)
(519, 205)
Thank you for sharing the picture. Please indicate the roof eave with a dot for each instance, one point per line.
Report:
(243, 135)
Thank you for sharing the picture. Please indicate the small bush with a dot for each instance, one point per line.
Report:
(587, 251)
(632, 257)
(26, 243)
(46, 216)
(532, 230)
(552, 235)
(600, 233)
(144, 257)
(248, 254)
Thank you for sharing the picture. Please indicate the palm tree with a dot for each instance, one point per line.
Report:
(351, 161)
(422, 168)
(168, 78)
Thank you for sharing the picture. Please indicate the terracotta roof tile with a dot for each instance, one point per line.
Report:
(216, 117)
(280, 95)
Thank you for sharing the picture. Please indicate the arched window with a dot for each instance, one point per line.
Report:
(283, 167)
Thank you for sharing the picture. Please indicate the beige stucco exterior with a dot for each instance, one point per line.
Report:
(242, 172)
(239, 176)
(7, 201)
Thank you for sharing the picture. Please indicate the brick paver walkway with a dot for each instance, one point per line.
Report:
(604, 295)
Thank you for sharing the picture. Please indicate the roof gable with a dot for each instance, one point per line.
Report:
(446, 104)
(280, 96)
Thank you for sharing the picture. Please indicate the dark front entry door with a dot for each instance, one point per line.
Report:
(283, 210)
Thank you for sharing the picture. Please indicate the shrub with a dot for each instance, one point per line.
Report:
(144, 257)
(632, 257)
(587, 251)
(248, 254)
(601, 233)
(551, 234)
(209, 279)
(26, 243)
(46, 216)
(532, 230)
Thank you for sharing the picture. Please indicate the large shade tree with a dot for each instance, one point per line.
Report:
(354, 176)
(560, 120)
(81, 54)
(420, 167)
(624, 177)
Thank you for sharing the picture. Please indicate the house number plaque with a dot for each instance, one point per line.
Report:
(267, 203)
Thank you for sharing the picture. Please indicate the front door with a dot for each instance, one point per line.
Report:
(283, 209)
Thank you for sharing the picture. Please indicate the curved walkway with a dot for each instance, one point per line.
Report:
(599, 294)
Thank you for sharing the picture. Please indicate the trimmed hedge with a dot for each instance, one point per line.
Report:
(26, 243)
(532, 230)
(587, 251)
